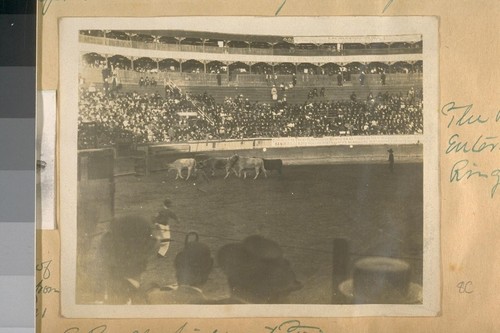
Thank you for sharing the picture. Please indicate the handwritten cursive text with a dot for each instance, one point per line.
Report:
(480, 144)
(296, 326)
(461, 115)
(462, 170)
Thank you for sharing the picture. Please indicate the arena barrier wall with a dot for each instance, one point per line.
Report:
(96, 187)
(344, 149)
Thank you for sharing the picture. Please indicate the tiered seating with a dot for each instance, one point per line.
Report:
(297, 95)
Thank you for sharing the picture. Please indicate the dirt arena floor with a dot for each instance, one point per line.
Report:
(304, 209)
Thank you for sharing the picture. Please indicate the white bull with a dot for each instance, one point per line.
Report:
(239, 164)
(183, 163)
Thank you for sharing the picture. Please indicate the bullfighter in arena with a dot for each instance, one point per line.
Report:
(162, 221)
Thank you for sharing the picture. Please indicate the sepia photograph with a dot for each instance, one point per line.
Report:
(249, 166)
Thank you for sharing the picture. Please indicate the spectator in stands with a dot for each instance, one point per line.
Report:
(340, 79)
(192, 268)
(362, 78)
(294, 79)
(125, 249)
(257, 272)
(141, 82)
(219, 78)
(274, 93)
(150, 117)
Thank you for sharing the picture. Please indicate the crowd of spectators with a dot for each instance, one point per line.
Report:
(140, 118)
(151, 117)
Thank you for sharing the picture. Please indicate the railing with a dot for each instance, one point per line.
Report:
(93, 75)
(238, 50)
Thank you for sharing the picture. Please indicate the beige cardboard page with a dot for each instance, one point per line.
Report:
(469, 111)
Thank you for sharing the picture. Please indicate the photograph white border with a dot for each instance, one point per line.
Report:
(69, 55)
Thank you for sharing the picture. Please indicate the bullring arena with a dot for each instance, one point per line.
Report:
(329, 108)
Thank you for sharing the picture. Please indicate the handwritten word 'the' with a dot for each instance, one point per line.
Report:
(462, 115)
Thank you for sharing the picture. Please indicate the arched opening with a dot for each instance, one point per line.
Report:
(237, 44)
(216, 66)
(284, 68)
(400, 45)
(120, 62)
(115, 34)
(331, 68)
(192, 66)
(377, 67)
(377, 46)
(328, 46)
(192, 41)
(308, 68)
(168, 40)
(169, 65)
(355, 67)
(418, 67)
(212, 42)
(284, 46)
(94, 60)
(354, 46)
(142, 38)
(401, 67)
(306, 46)
(262, 68)
(144, 64)
(260, 45)
(239, 68)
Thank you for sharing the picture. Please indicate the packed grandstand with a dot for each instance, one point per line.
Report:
(202, 86)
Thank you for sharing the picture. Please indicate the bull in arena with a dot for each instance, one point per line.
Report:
(213, 163)
(242, 164)
(183, 163)
(271, 165)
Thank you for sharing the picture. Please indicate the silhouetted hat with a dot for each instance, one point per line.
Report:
(390, 151)
(194, 261)
(381, 280)
(257, 266)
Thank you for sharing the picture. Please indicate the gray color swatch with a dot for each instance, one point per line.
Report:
(18, 312)
(17, 196)
(17, 92)
(17, 246)
(17, 148)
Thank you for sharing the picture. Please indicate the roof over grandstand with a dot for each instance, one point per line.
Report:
(276, 39)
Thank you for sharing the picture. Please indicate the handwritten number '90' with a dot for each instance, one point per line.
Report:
(465, 287)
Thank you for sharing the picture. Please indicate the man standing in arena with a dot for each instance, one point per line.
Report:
(391, 160)
(382, 78)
